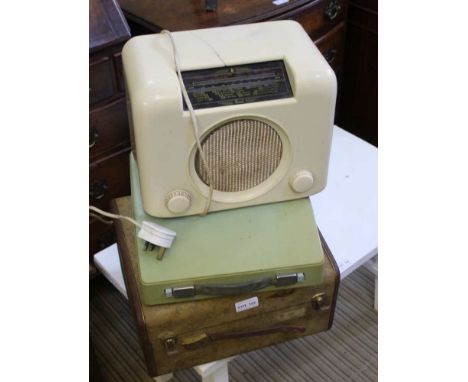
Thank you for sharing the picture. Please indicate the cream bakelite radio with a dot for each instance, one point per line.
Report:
(264, 99)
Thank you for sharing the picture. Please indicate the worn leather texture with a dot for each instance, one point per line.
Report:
(186, 334)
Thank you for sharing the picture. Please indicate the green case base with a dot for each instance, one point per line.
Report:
(226, 247)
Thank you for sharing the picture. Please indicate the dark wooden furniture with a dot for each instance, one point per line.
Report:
(359, 100)
(185, 334)
(323, 20)
(109, 143)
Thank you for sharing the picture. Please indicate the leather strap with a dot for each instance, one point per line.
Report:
(203, 339)
(255, 333)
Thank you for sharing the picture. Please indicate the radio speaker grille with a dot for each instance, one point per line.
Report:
(240, 154)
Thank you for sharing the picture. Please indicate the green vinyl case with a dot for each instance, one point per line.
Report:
(259, 248)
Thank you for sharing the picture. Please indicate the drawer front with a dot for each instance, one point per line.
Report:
(101, 80)
(108, 128)
(332, 46)
(109, 179)
(318, 17)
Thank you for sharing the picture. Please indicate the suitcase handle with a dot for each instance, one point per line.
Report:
(235, 288)
(202, 339)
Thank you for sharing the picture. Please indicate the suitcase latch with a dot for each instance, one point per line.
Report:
(319, 303)
(170, 345)
(180, 292)
(289, 279)
(169, 340)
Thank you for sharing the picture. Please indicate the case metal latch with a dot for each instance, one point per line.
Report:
(318, 302)
(180, 292)
(289, 279)
(169, 339)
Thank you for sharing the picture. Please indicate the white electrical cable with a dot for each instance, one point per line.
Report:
(152, 232)
(100, 218)
(114, 216)
(193, 118)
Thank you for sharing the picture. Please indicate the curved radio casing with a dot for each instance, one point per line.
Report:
(288, 152)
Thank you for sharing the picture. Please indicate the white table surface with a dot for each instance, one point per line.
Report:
(108, 263)
(346, 210)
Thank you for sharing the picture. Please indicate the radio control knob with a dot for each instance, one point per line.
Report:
(302, 181)
(178, 201)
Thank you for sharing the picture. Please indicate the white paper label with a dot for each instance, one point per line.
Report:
(280, 2)
(246, 304)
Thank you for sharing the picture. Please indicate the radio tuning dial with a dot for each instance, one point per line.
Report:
(178, 201)
(302, 181)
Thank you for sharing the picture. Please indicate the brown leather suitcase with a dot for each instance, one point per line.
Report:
(186, 334)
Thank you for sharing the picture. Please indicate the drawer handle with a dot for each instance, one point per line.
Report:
(93, 136)
(330, 55)
(332, 10)
(98, 189)
(211, 5)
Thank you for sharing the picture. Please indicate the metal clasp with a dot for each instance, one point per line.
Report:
(289, 279)
(180, 292)
(318, 301)
(169, 340)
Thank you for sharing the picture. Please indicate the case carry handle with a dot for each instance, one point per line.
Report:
(203, 339)
(235, 288)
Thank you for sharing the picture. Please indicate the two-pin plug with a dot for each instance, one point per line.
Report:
(157, 235)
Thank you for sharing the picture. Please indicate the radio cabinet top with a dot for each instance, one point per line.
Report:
(264, 98)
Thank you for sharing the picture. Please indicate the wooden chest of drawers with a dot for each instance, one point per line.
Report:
(323, 20)
(109, 143)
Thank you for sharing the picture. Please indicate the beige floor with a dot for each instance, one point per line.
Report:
(347, 352)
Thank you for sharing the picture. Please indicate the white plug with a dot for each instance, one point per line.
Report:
(156, 234)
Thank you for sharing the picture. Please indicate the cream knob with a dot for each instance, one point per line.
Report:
(302, 181)
(178, 201)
